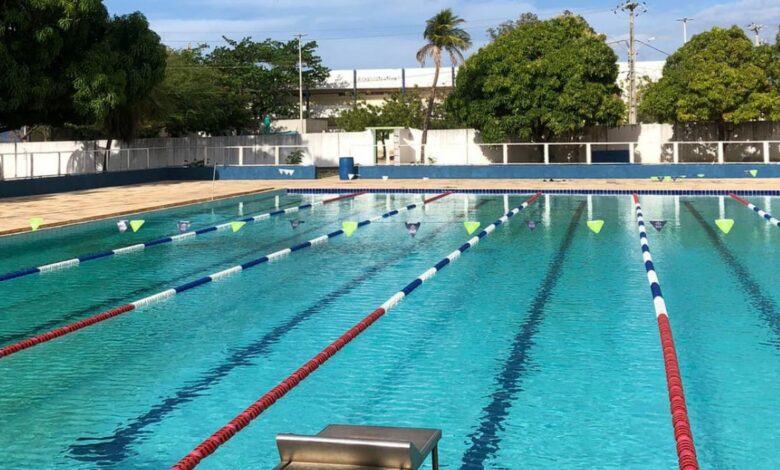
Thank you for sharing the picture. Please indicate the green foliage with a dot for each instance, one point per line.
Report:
(507, 26)
(295, 157)
(266, 73)
(65, 62)
(398, 110)
(198, 98)
(539, 80)
(718, 76)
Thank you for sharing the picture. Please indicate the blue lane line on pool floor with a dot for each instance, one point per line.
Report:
(116, 448)
(56, 266)
(485, 441)
(750, 287)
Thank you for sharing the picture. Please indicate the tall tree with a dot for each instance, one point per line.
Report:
(267, 73)
(718, 76)
(539, 80)
(443, 34)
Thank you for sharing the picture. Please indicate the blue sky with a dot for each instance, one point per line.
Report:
(377, 34)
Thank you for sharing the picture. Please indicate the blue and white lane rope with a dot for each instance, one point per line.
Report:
(161, 241)
(686, 451)
(762, 213)
(70, 328)
(242, 420)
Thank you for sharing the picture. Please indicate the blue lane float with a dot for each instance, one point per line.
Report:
(760, 212)
(161, 241)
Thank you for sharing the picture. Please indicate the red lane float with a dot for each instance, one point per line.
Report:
(686, 451)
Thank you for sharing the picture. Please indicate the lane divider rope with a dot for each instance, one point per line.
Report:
(161, 241)
(224, 434)
(70, 328)
(762, 213)
(686, 451)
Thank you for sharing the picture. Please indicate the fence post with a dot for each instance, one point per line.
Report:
(546, 154)
(588, 153)
(32, 164)
(241, 156)
(676, 152)
(631, 152)
(766, 151)
(59, 164)
(148, 161)
(506, 154)
(128, 158)
(721, 157)
(276, 155)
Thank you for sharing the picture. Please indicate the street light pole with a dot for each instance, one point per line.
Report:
(300, 84)
(684, 22)
(631, 6)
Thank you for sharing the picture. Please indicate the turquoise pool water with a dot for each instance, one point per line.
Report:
(536, 349)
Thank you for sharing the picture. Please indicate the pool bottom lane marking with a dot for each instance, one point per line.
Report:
(761, 213)
(161, 241)
(484, 439)
(686, 451)
(113, 449)
(766, 307)
(42, 338)
(210, 445)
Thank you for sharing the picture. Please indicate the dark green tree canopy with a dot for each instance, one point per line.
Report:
(538, 80)
(718, 76)
(399, 110)
(66, 62)
(510, 25)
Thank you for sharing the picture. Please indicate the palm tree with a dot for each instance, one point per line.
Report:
(443, 34)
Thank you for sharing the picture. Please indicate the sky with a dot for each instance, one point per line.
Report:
(387, 33)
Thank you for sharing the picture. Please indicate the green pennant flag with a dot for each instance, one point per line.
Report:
(667, 179)
(136, 224)
(36, 222)
(471, 227)
(654, 178)
(236, 226)
(753, 173)
(349, 227)
(725, 225)
(700, 175)
(595, 225)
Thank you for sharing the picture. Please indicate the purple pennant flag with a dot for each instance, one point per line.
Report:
(658, 224)
(183, 225)
(122, 226)
(412, 228)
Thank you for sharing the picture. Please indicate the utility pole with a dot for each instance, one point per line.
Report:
(631, 6)
(756, 28)
(300, 83)
(684, 22)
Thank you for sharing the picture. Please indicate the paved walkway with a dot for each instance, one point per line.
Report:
(81, 206)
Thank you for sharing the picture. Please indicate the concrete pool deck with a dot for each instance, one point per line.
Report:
(82, 206)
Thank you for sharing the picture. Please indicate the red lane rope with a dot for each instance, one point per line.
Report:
(739, 199)
(30, 342)
(241, 421)
(348, 196)
(686, 452)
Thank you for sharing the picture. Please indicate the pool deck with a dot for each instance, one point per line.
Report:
(83, 206)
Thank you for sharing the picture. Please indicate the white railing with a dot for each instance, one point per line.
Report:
(25, 164)
(570, 152)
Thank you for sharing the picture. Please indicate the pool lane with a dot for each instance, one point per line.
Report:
(35, 304)
(484, 439)
(163, 295)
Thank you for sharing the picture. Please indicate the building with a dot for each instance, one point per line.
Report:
(344, 88)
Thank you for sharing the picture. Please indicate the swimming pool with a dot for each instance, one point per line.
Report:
(537, 348)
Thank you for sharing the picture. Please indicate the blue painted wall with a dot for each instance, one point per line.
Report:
(281, 172)
(566, 171)
(58, 184)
